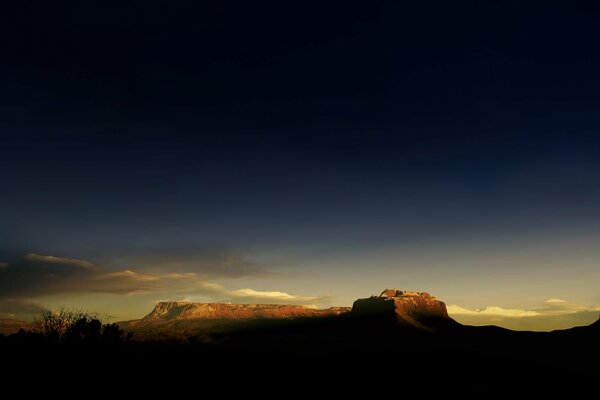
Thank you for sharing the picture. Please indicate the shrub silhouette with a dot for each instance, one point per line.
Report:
(75, 327)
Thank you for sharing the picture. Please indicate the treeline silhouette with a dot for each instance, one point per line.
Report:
(66, 327)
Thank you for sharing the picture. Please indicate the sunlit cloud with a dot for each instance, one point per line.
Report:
(492, 311)
(214, 263)
(279, 296)
(553, 313)
(19, 309)
(33, 257)
(552, 306)
(555, 301)
(34, 276)
(247, 295)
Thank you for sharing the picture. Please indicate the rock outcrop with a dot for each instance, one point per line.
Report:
(171, 310)
(190, 317)
(414, 309)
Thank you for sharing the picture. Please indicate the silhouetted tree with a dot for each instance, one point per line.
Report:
(78, 327)
(84, 329)
(112, 334)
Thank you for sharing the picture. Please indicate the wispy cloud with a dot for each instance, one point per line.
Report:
(212, 263)
(492, 311)
(551, 307)
(282, 296)
(33, 257)
(35, 275)
(19, 309)
(246, 295)
(555, 301)
(554, 313)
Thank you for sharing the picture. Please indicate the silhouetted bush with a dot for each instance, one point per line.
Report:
(112, 334)
(72, 327)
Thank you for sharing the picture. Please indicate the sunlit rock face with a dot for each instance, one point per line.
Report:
(171, 310)
(415, 309)
(401, 308)
(174, 316)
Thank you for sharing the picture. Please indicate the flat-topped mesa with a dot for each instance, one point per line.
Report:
(415, 309)
(404, 293)
(173, 310)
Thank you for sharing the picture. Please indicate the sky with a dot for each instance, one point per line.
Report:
(301, 152)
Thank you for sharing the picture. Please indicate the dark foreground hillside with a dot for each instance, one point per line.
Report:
(371, 355)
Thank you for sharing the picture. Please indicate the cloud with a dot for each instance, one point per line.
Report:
(246, 295)
(58, 260)
(555, 301)
(214, 263)
(551, 307)
(34, 275)
(20, 309)
(255, 295)
(554, 313)
(492, 311)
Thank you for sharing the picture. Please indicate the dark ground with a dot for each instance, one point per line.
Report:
(331, 357)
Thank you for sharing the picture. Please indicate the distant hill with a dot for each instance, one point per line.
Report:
(10, 326)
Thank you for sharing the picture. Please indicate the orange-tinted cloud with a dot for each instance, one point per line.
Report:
(214, 263)
(19, 309)
(553, 314)
(34, 275)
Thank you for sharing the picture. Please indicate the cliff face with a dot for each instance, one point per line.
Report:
(173, 316)
(171, 310)
(403, 308)
(415, 309)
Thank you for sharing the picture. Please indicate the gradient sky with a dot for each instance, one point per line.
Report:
(303, 153)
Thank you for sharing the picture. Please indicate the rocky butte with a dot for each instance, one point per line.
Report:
(412, 309)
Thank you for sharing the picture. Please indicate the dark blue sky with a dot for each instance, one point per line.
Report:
(284, 132)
